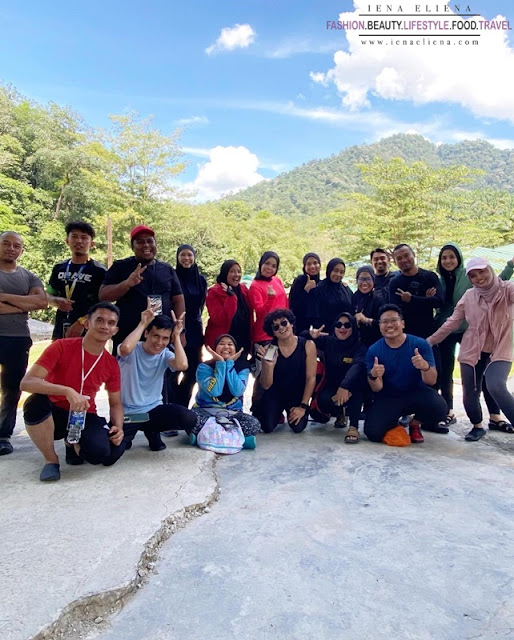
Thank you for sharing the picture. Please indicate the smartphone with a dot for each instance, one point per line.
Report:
(65, 327)
(270, 352)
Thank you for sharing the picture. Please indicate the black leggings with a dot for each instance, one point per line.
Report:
(162, 418)
(180, 392)
(268, 409)
(354, 405)
(496, 374)
(425, 403)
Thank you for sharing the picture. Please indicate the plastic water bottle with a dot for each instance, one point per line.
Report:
(76, 424)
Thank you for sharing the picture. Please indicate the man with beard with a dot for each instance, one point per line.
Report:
(381, 263)
(20, 292)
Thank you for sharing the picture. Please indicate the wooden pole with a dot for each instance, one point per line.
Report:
(109, 242)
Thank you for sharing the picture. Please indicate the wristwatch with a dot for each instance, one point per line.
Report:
(372, 377)
(304, 405)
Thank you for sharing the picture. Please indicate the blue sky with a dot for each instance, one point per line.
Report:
(273, 91)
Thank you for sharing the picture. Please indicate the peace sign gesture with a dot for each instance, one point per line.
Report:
(136, 276)
(147, 315)
(179, 323)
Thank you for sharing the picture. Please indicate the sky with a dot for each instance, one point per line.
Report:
(259, 87)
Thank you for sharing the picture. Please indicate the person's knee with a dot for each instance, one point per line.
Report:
(372, 433)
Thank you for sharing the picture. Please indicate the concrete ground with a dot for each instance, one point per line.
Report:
(310, 538)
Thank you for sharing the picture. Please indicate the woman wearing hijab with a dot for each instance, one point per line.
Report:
(221, 385)
(366, 303)
(486, 347)
(194, 287)
(455, 283)
(301, 295)
(229, 308)
(331, 296)
(266, 293)
(345, 373)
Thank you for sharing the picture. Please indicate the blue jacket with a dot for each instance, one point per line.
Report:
(221, 386)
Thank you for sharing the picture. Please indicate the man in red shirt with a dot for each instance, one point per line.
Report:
(67, 376)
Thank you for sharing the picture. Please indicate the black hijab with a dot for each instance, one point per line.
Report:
(450, 277)
(264, 257)
(240, 325)
(190, 279)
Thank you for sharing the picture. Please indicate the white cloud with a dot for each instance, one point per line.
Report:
(200, 152)
(476, 77)
(293, 47)
(237, 37)
(192, 120)
(229, 169)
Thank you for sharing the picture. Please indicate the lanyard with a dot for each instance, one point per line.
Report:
(84, 377)
(69, 289)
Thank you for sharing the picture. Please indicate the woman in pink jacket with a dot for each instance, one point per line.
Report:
(486, 348)
(266, 294)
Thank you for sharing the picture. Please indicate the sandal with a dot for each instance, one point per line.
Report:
(352, 435)
(500, 425)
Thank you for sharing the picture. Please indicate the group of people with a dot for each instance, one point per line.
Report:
(321, 352)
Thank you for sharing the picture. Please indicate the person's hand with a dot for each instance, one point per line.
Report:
(266, 364)
(404, 295)
(147, 315)
(75, 330)
(63, 304)
(310, 284)
(295, 414)
(116, 435)
(316, 333)
(216, 356)
(360, 318)
(236, 355)
(430, 293)
(341, 397)
(136, 277)
(271, 292)
(377, 370)
(418, 361)
(179, 324)
(430, 341)
(77, 401)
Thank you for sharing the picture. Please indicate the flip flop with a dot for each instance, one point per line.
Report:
(352, 435)
(500, 425)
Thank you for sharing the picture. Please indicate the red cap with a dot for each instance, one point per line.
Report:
(141, 229)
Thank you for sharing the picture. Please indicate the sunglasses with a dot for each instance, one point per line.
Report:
(361, 280)
(282, 323)
(343, 325)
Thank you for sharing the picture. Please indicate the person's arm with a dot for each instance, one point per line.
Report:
(211, 380)
(268, 368)
(129, 344)
(356, 373)
(6, 309)
(236, 381)
(261, 301)
(116, 416)
(179, 362)
(453, 322)
(375, 373)
(35, 299)
(113, 292)
(297, 413)
(221, 304)
(34, 382)
(508, 270)
(63, 304)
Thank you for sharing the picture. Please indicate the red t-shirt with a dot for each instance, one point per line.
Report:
(63, 361)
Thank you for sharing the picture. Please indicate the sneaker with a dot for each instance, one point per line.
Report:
(170, 433)
(250, 442)
(416, 436)
(5, 447)
(340, 421)
(475, 434)
(50, 472)
(72, 457)
(192, 439)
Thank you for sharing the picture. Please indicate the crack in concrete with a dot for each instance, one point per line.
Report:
(89, 616)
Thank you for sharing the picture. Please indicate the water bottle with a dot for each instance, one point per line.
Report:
(76, 423)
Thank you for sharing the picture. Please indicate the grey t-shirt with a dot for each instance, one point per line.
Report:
(19, 282)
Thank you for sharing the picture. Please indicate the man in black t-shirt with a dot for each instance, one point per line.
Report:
(381, 262)
(131, 281)
(416, 291)
(74, 283)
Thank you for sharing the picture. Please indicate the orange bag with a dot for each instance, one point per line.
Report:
(397, 437)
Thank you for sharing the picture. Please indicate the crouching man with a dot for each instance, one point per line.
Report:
(68, 375)
(401, 372)
(143, 365)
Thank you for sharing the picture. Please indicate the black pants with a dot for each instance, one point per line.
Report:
(353, 405)
(473, 378)
(425, 403)
(269, 407)
(14, 357)
(180, 393)
(95, 446)
(162, 418)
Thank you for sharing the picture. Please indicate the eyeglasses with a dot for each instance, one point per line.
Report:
(282, 323)
(343, 325)
(361, 280)
(391, 321)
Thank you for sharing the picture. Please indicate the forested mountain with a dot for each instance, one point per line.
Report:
(316, 187)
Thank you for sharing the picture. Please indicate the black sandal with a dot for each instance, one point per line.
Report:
(500, 425)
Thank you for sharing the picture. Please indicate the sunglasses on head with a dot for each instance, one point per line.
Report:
(343, 325)
(282, 323)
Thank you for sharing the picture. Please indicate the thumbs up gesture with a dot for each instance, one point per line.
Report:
(310, 284)
(419, 362)
(377, 370)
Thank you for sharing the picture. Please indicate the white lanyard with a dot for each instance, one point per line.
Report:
(84, 377)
